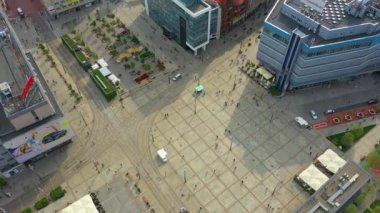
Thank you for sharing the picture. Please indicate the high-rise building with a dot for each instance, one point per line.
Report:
(307, 42)
(192, 23)
(31, 123)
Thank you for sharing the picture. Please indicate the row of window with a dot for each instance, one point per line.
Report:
(276, 36)
(331, 51)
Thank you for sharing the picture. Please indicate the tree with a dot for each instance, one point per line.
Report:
(373, 159)
(351, 208)
(358, 132)
(361, 198)
(347, 139)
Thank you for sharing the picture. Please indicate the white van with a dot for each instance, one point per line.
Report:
(163, 155)
(301, 121)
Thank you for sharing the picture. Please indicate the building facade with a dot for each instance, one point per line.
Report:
(306, 43)
(192, 23)
(235, 12)
(59, 7)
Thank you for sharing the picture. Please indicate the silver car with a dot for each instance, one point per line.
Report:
(313, 114)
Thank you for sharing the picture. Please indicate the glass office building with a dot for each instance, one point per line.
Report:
(192, 23)
(306, 42)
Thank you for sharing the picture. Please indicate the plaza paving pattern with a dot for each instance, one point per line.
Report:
(265, 153)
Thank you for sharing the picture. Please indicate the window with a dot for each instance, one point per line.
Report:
(331, 51)
(276, 36)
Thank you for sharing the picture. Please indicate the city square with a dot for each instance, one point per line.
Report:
(232, 148)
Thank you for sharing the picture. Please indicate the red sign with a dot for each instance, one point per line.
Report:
(28, 85)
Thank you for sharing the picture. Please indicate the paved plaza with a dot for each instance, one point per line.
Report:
(233, 149)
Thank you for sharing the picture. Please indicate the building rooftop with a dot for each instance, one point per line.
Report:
(310, 16)
(14, 73)
(337, 190)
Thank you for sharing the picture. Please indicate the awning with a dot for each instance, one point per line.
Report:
(313, 177)
(83, 205)
(265, 73)
(331, 161)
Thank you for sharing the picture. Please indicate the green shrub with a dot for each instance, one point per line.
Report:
(27, 210)
(146, 66)
(351, 208)
(113, 52)
(274, 91)
(3, 182)
(41, 203)
(135, 40)
(347, 139)
(57, 193)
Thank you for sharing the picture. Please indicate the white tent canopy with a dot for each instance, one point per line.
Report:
(105, 71)
(83, 205)
(113, 79)
(313, 177)
(102, 63)
(331, 161)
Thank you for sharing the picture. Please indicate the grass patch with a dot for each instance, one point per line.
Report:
(349, 138)
(103, 84)
(70, 43)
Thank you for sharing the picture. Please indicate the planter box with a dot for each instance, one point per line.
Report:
(70, 43)
(360, 115)
(336, 120)
(83, 60)
(372, 111)
(348, 117)
(103, 84)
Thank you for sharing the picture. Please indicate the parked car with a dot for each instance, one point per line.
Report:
(372, 101)
(53, 136)
(329, 111)
(313, 114)
(301, 121)
(20, 12)
(177, 76)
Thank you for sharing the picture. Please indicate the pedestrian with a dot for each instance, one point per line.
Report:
(234, 160)
(241, 182)
(225, 130)
(237, 104)
(229, 131)
(102, 165)
(235, 168)
(217, 137)
(216, 145)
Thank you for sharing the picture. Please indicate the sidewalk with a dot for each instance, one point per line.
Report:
(365, 145)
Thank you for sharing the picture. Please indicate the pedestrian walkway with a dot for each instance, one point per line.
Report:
(365, 145)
